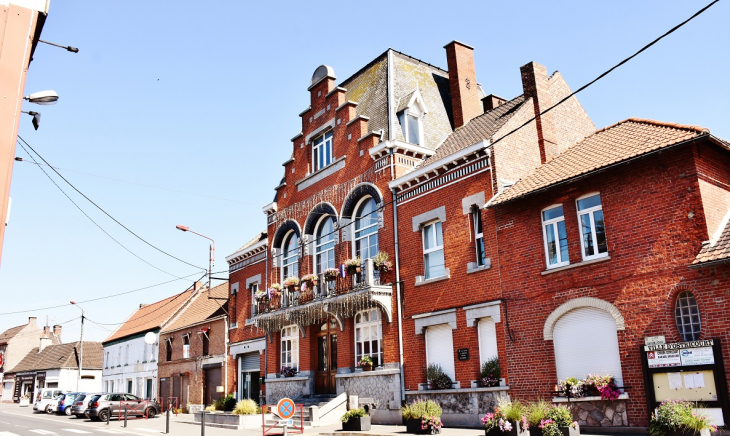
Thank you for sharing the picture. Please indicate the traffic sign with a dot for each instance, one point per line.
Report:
(285, 408)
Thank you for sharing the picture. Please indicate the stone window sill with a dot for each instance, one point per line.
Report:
(374, 372)
(458, 391)
(575, 265)
(249, 321)
(321, 173)
(422, 280)
(624, 396)
(472, 267)
(285, 379)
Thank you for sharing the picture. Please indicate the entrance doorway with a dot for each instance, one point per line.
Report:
(213, 379)
(324, 379)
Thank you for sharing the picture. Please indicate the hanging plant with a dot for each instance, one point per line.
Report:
(382, 262)
(331, 274)
(291, 283)
(311, 280)
(353, 265)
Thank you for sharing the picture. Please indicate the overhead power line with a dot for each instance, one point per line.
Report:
(105, 212)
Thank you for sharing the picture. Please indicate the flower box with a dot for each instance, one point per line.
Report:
(516, 431)
(413, 426)
(566, 431)
(360, 423)
(688, 432)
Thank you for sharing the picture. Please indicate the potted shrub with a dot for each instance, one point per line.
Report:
(353, 265)
(547, 420)
(287, 371)
(436, 377)
(490, 373)
(311, 280)
(508, 419)
(355, 420)
(382, 263)
(291, 283)
(331, 274)
(680, 418)
(571, 387)
(605, 385)
(366, 363)
(422, 417)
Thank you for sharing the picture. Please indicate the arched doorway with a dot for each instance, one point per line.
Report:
(324, 379)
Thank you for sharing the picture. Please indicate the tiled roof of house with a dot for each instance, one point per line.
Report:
(201, 307)
(258, 238)
(61, 356)
(10, 333)
(714, 251)
(151, 316)
(622, 141)
(477, 129)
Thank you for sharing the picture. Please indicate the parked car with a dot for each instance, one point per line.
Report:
(65, 403)
(47, 400)
(111, 405)
(81, 404)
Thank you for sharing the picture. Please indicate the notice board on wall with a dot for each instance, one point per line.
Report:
(685, 385)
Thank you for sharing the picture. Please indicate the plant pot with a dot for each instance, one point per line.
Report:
(687, 432)
(359, 423)
(413, 426)
(330, 279)
(514, 432)
(367, 368)
(566, 431)
(310, 284)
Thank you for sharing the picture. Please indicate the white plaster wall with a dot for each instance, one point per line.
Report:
(141, 364)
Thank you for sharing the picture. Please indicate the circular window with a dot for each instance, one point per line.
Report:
(687, 315)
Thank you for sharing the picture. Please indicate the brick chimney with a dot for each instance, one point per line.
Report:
(535, 85)
(57, 331)
(32, 320)
(465, 103)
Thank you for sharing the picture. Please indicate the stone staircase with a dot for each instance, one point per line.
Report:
(317, 410)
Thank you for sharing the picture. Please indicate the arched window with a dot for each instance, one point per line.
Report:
(366, 229)
(369, 336)
(290, 256)
(687, 315)
(324, 245)
(586, 342)
(290, 347)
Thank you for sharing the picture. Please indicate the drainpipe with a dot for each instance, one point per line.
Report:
(398, 295)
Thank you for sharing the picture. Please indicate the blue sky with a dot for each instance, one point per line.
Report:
(203, 97)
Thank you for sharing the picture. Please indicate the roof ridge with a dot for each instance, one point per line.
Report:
(699, 129)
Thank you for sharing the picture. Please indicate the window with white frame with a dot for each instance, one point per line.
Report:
(592, 229)
(440, 348)
(687, 316)
(290, 347)
(433, 250)
(186, 346)
(366, 229)
(322, 152)
(144, 356)
(126, 355)
(594, 331)
(290, 256)
(410, 122)
(476, 218)
(106, 360)
(369, 336)
(555, 237)
(487, 332)
(324, 245)
(119, 356)
(254, 288)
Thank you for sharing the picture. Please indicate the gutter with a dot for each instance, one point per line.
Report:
(716, 262)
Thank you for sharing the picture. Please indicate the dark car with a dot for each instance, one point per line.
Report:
(81, 404)
(65, 403)
(113, 404)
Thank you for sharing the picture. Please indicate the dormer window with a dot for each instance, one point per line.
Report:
(410, 116)
(322, 152)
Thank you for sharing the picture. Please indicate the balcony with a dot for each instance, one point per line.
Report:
(340, 298)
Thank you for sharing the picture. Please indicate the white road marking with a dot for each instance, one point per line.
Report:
(40, 431)
(7, 433)
(109, 431)
(73, 430)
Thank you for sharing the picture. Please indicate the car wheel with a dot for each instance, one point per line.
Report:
(103, 415)
(48, 409)
(151, 412)
(67, 411)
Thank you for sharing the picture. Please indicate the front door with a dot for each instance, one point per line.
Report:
(324, 379)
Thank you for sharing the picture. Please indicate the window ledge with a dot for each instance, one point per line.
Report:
(249, 321)
(315, 177)
(457, 391)
(624, 396)
(472, 267)
(575, 265)
(421, 280)
(287, 379)
(374, 372)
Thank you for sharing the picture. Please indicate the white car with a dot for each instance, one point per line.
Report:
(48, 400)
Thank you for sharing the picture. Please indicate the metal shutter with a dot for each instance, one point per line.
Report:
(586, 342)
(440, 348)
(250, 361)
(487, 339)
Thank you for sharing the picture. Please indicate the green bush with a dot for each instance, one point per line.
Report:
(512, 410)
(245, 407)
(675, 415)
(354, 413)
(536, 412)
(561, 415)
(490, 369)
(442, 382)
(226, 403)
(421, 409)
(433, 372)
(210, 408)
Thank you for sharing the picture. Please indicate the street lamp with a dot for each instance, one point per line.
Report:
(42, 97)
(212, 251)
(81, 346)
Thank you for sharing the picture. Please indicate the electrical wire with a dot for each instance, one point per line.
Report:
(105, 212)
(92, 220)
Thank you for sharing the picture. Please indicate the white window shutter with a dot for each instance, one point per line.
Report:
(586, 342)
(487, 339)
(440, 348)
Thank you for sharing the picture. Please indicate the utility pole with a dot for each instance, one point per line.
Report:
(81, 347)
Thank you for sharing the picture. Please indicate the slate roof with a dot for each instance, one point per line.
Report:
(201, 308)
(477, 129)
(61, 356)
(624, 140)
(151, 316)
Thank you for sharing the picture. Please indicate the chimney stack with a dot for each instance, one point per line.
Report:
(46, 332)
(31, 320)
(45, 339)
(465, 103)
(57, 331)
(535, 85)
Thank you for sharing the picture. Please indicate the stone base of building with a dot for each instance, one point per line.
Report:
(594, 412)
(462, 407)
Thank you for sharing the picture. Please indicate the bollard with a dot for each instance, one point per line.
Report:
(167, 421)
(108, 416)
(202, 423)
(125, 416)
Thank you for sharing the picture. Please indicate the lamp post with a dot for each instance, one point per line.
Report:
(81, 346)
(212, 251)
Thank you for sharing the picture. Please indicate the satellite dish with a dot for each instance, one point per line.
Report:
(150, 338)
